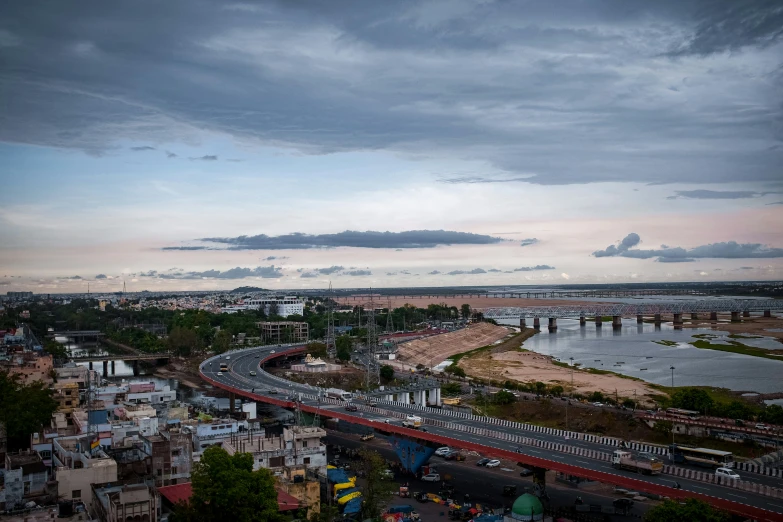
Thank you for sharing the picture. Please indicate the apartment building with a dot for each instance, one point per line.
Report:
(284, 331)
(298, 446)
(128, 502)
(78, 463)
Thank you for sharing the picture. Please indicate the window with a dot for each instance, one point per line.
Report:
(76, 493)
(304, 443)
(160, 472)
(306, 460)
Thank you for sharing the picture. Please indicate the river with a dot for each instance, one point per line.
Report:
(633, 346)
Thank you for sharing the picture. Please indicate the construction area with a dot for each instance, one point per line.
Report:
(433, 350)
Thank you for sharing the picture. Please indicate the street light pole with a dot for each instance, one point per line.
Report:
(672, 369)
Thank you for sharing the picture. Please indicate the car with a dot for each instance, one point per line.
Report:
(455, 455)
(599, 404)
(272, 351)
(482, 462)
(623, 503)
(257, 356)
(372, 403)
(367, 436)
(431, 477)
(525, 472)
(220, 374)
(228, 357)
(494, 463)
(738, 422)
(253, 373)
(440, 452)
(762, 427)
(272, 391)
(351, 407)
(727, 472)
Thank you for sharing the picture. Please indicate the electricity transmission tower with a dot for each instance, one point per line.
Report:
(389, 321)
(331, 342)
(373, 368)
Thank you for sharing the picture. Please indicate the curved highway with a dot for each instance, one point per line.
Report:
(532, 448)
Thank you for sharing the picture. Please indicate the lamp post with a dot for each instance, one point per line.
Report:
(672, 369)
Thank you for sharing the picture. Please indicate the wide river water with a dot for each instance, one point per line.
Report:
(633, 345)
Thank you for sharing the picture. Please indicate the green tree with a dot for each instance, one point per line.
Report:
(772, 414)
(504, 397)
(451, 389)
(664, 426)
(387, 372)
(690, 510)
(327, 513)
(23, 409)
(692, 399)
(55, 349)
(225, 487)
(465, 309)
(183, 341)
(222, 341)
(316, 349)
(343, 345)
(378, 488)
(557, 390)
(540, 387)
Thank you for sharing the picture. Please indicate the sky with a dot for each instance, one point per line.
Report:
(197, 144)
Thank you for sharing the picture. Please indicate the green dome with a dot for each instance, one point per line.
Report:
(527, 507)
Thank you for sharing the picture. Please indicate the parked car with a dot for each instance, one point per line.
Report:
(368, 436)
(727, 472)
(599, 404)
(482, 462)
(351, 407)
(253, 373)
(738, 422)
(372, 403)
(440, 452)
(525, 472)
(431, 477)
(494, 463)
(623, 503)
(454, 455)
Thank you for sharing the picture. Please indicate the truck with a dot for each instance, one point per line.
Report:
(336, 393)
(644, 463)
(412, 421)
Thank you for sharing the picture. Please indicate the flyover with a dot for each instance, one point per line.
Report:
(552, 449)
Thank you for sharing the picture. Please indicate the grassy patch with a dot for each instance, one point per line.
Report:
(736, 347)
(664, 342)
(706, 336)
(741, 336)
(596, 371)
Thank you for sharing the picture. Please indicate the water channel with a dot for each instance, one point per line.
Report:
(632, 350)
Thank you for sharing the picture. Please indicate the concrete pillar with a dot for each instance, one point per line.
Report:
(90, 363)
(767, 313)
(105, 368)
(639, 319)
(417, 397)
(437, 397)
(713, 316)
(694, 316)
(231, 400)
(112, 367)
(746, 313)
(598, 320)
(735, 317)
(617, 321)
(404, 398)
(522, 324)
(552, 324)
(658, 319)
(536, 323)
(136, 367)
(582, 320)
(677, 321)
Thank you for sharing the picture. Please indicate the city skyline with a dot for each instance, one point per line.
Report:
(201, 145)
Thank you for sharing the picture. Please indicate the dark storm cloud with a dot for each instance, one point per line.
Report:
(266, 272)
(143, 148)
(494, 270)
(776, 203)
(529, 241)
(533, 268)
(331, 270)
(308, 275)
(666, 254)
(101, 276)
(72, 277)
(358, 273)
(350, 238)
(151, 273)
(718, 194)
(422, 79)
(434, 272)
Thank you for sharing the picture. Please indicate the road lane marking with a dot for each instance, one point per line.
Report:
(700, 487)
(736, 496)
(582, 462)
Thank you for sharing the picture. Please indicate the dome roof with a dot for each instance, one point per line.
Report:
(527, 505)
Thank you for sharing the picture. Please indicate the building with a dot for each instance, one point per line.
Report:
(77, 466)
(66, 393)
(171, 454)
(282, 306)
(284, 331)
(19, 295)
(29, 366)
(26, 479)
(172, 495)
(129, 502)
(315, 365)
(299, 446)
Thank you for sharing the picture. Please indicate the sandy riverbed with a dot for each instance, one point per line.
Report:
(749, 326)
(474, 302)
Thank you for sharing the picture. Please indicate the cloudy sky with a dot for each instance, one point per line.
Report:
(208, 144)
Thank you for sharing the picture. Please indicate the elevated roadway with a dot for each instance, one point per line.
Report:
(489, 437)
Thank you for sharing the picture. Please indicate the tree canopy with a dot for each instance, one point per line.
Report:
(690, 510)
(692, 399)
(225, 487)
(343, 345)
(23, 409)
(387, 372)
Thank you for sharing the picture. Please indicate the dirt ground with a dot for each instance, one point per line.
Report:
(345, 379)
(433, 350)
(753, 325)
(523, 366)
(474, 302)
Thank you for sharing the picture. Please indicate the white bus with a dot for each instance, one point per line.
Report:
(701, 456)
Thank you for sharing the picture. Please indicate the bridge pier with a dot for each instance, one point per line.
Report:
(713, 316)
(552, 324)
(582, 320)
(536, 323)
(598, 321)
(105, 368)
(522, 324)
(767, 313)
(419, 398)
(136, 368)
(678, 321)
(90, 363)
(231, 400)
(112, 367)
(404, 397)
(617, 322)
(639, 319)
(694, 316)
(657, 319)
(435, 396)
(735, 317)
(746, 313)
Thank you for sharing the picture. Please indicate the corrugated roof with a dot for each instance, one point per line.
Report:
(182, 493)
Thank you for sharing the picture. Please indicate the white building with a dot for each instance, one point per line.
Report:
(282, 306)
(299, 446)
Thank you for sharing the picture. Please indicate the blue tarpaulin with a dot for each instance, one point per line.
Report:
(413, 454)
(343, 492)
(353, 506)
(336, 476)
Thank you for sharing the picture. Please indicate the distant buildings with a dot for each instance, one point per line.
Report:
(284, 331)
(282, 306)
